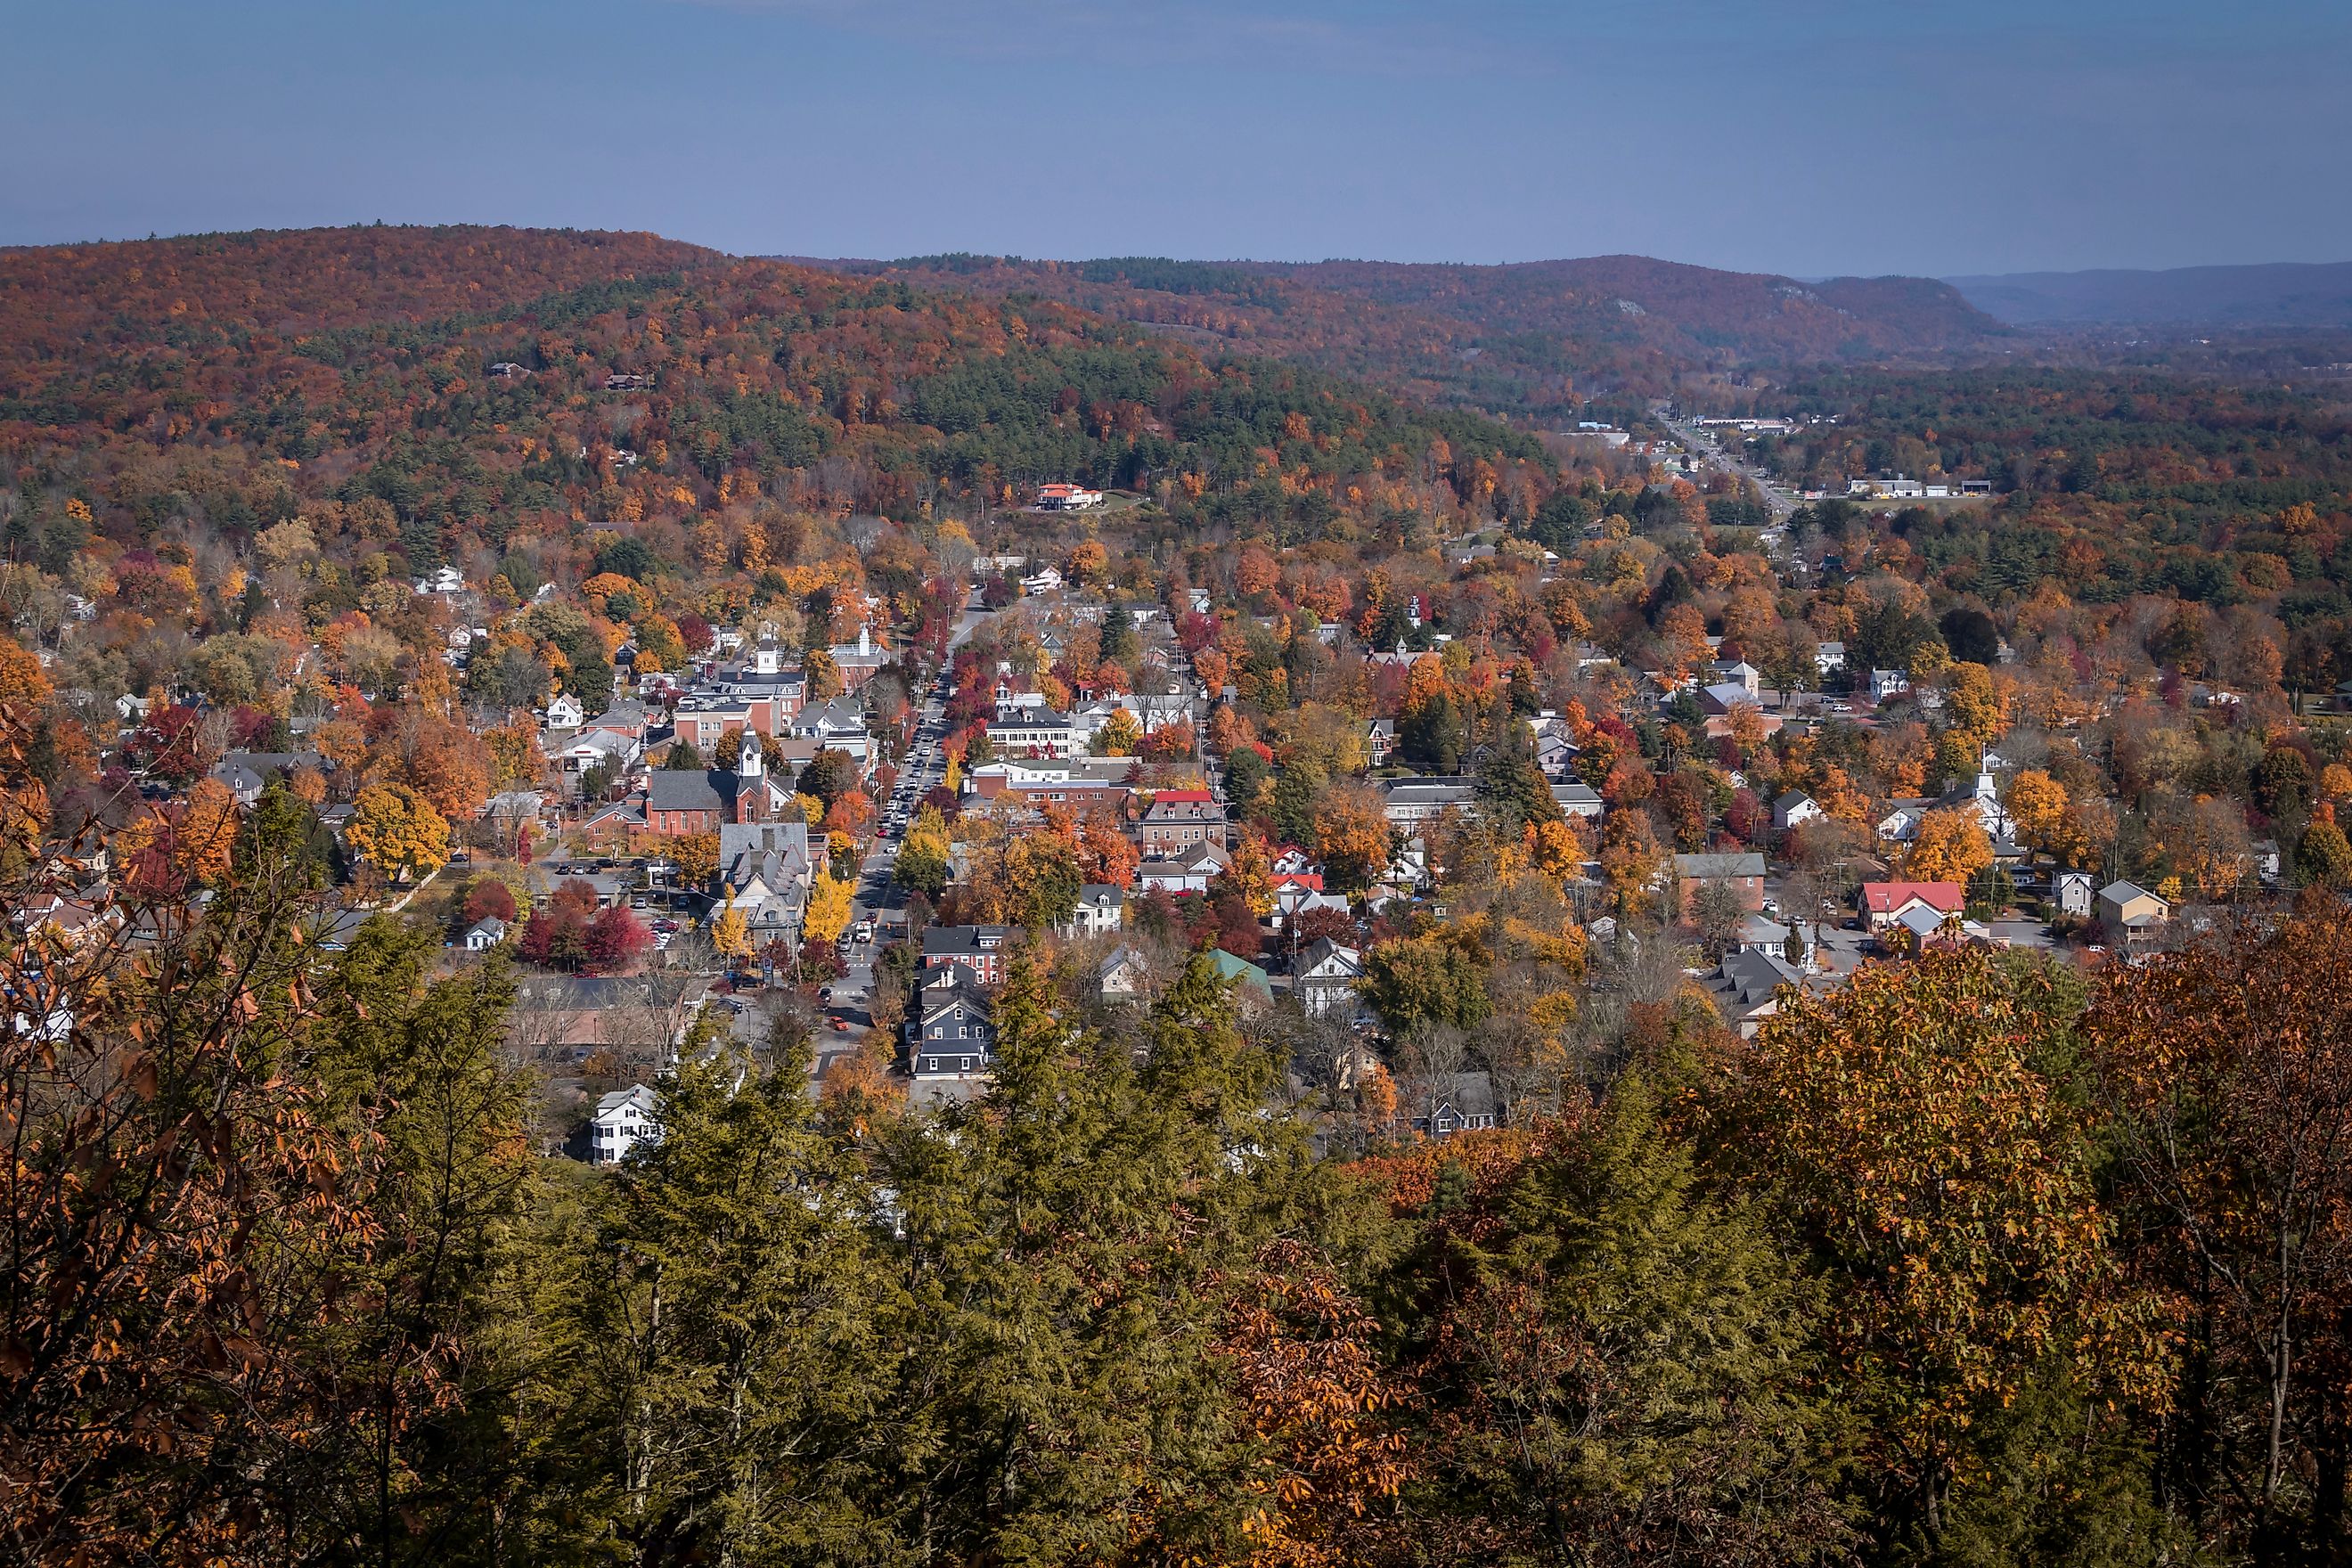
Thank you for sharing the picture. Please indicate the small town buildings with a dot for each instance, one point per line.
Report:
(1124, 974)
(1886, 903)
(955, 1033)
(1380, 740)
(565, 712)
(1409, 802)
(1189, 872)
(1251, 987)
(2133, 916)
(442, 580)
(1738, 673)
(1829, 658)
(1746, 986)
(1579, 799)
(623, 1120)
(1742, 873)
(1325, 976)
(1025, 731)
(1455, 1102)
(1071, 782)
(1099, 911)
(680, 802)
(591, 747)
(2071, 894)
(1887, 683)
(1179, 820)
(978, 951)
(859, 661)
(1795, 809)
(484, 934)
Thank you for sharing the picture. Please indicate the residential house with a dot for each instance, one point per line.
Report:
(1325, 976)
(1380, 740)
(1099, 911)
(1252, 988)
(1579, 799)
(1049, 580)
(1795, 809)
(591, 747)
(1829, 657)
(1409, 802)
(564, 713)
(980, 951)
(1124, 974)
(1746, 986)
(484, 934)
(1450, 1104)
(1066, 498)
(623, 1120)
(1180, 820)
(955, 1035)
(1742, 873)
(248, 774)
(1190, 871)
(1888, 683)
(1884, 903)
(2133, 916)
(442, 580)
(2070, 893)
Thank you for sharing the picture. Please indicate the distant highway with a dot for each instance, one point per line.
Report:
(1698, 439)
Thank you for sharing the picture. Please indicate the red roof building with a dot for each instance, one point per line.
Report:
(1884, 903)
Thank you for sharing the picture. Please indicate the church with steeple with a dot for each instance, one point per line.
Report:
(680, 802)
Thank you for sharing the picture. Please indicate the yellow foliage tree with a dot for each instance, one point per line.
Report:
(1952, 848)
(731, 934)
(2039, 802)
(395, 829)
(1120, 736)
(828, 908)
(698, 859)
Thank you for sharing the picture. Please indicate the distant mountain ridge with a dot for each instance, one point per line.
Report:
(1526, 336)
(2273, 294)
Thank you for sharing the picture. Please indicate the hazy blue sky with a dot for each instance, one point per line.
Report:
(1799, 136)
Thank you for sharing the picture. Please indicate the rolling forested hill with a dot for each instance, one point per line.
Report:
(1526, 337)
(223, 379)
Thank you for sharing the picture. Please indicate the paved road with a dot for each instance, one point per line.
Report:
(1693, 438)
(924, 767)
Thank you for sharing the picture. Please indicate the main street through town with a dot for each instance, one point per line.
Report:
(920, 772)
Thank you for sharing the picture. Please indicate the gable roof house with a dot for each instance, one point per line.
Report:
(1886, 903)
(1100, 909)
(2072, 892)
(623, 1120)
(1325, 975)
(955, 1031)
(1742, 873)
(1124, 974)
(1744, 987)
(1795, 809)
(2133, 916)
